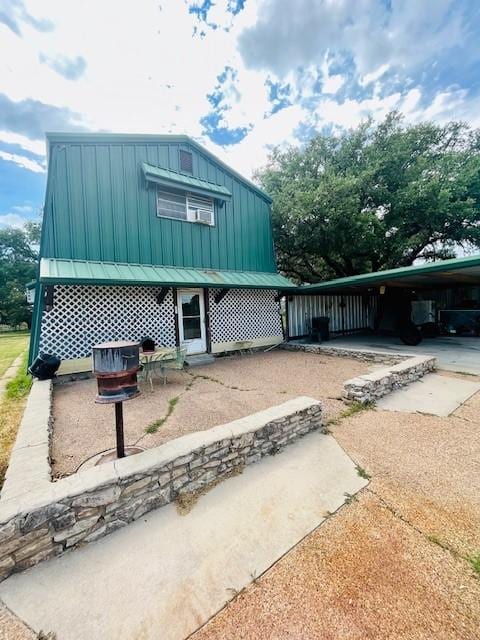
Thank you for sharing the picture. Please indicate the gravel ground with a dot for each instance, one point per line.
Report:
(365, 574)
(230, 388)
(12, 628)
(392, 564)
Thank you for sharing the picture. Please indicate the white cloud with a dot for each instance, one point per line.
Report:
(331, 82)
(22, 161)
(34, 146)
(402, 34)
(145, 72)
(350, 113)
(374, 75)
(24, 208)
(12, 220)
(277, 130)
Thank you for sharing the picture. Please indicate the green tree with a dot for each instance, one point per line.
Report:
(376, 197)
(18, 255)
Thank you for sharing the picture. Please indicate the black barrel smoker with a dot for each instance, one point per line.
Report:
(115, 365)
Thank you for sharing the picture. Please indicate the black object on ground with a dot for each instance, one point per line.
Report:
(410, 335)
(45, 366)
(320, 329)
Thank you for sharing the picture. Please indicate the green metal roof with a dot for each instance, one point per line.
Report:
(464, 271)
(171, 178)
(59, 271)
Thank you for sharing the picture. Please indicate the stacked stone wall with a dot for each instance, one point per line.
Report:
(402, 370)
(43, 519)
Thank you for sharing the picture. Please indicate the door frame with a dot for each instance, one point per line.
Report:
(203, 319)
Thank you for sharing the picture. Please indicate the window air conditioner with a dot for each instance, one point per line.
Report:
(203, 215)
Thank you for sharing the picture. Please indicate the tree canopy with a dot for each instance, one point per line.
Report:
(377, 197)
(18, 257)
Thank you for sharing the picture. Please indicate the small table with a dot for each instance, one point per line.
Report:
(153, 359)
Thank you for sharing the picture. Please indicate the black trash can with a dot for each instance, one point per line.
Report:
(320, 328)
(45, 366)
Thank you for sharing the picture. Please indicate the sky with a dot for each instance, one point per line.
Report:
(239, 76)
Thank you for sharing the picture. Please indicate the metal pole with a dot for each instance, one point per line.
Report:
(119, 428)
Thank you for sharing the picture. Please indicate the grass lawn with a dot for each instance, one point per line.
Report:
(12, 404)
(11, 345)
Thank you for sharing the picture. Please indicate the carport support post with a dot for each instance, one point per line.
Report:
(119, 429)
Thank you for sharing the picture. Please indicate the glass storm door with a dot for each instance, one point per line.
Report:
(191, 320)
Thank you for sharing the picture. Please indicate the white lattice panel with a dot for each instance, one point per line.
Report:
(83, 316)
(244, 314)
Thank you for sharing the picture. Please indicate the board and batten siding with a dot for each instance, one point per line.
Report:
(347, 313)
(99, 207)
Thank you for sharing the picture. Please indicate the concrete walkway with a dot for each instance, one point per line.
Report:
(393, 564)
(452, 353)
(434, 394)
(167, 574)
(9, 374)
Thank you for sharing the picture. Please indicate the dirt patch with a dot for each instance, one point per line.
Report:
(425, 466)
(186, 500)
(396, 562)
(363, 574)
(204, 397)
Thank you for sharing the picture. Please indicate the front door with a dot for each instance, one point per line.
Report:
(191, 320)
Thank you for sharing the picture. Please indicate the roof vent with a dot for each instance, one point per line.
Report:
(186, 161)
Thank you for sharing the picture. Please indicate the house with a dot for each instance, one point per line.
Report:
(150, 235)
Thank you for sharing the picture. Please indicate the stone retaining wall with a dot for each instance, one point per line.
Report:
(403, 370)
(43, 519)
(29, 464)
(371, 386)
(365, 355)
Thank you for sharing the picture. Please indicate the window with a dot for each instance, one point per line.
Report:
(171, 205)
(186, 161)
(184, 206)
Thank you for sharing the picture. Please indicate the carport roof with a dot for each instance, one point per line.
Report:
(447, 273)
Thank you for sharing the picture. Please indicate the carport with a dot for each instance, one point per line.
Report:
(437, 303)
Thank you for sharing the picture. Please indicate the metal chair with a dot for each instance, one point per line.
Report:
(151, 366)
(176, 364)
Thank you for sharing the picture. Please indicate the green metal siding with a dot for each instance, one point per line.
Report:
(100, 208)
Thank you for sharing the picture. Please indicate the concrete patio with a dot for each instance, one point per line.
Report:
(452, 353)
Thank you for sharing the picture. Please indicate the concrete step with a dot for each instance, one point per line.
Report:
(134, 582)
(434, 394)
(200, 360)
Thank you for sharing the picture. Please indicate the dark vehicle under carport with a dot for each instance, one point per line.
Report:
(426, 300)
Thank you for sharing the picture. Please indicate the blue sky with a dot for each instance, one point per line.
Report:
(240, 76)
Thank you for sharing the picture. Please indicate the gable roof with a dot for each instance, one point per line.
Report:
(144, 138)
